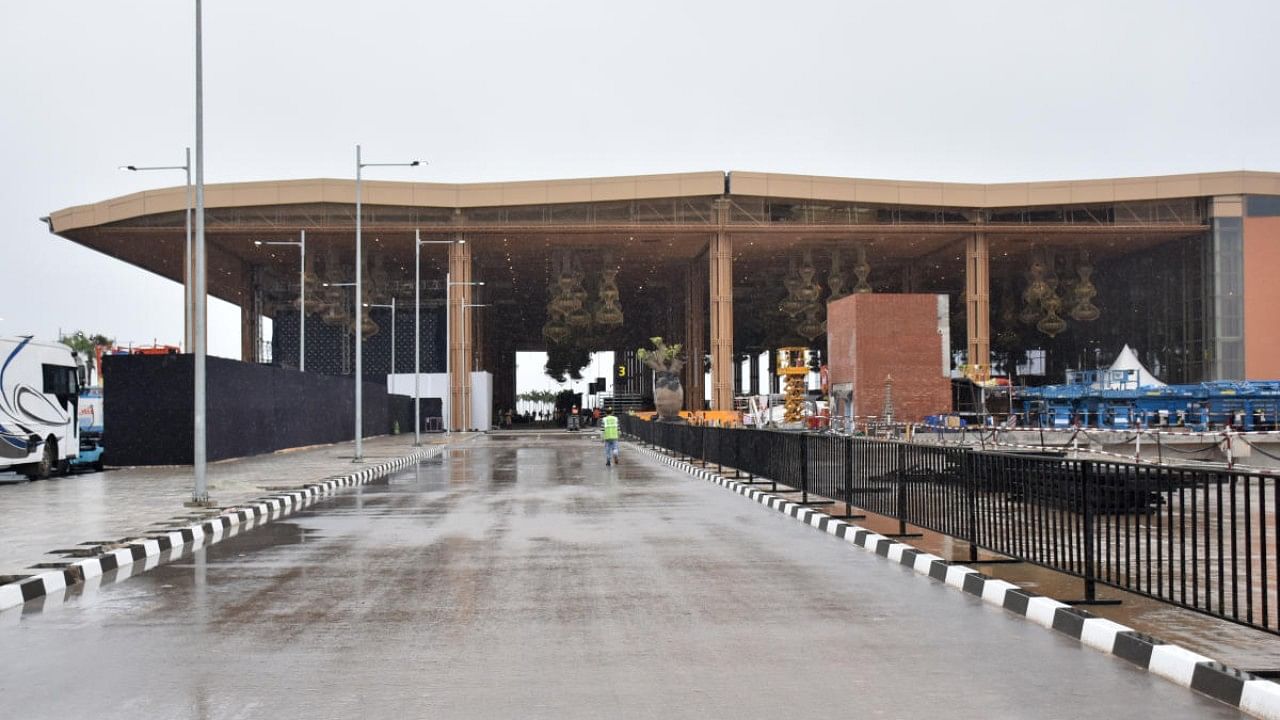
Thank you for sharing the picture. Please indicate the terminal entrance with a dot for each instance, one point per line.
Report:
(729, 267)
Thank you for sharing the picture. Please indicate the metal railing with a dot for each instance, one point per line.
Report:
(1199, 538)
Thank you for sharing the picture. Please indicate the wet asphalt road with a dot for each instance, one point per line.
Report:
(520, 578)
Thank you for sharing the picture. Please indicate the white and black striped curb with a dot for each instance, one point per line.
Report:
(147, 551)
(1249, 693)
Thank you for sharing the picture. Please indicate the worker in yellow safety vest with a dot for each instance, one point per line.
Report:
(609, 431)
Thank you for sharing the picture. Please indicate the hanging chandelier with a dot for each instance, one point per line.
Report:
(1084, 291)
(861, 270)
(791, 305)
(609, 311)
(811, 326)
(564, 302)
(835, 277)
(803, 294)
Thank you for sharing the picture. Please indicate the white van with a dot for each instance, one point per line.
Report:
(39, 393)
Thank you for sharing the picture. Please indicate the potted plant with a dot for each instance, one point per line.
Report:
(668, 393)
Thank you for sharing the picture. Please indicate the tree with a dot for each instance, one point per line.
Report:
(86, 346)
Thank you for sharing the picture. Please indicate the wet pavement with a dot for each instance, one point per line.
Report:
(62, 512)
(520, 578)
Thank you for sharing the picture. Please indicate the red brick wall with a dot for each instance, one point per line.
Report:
(870, 336)
(1261, 298)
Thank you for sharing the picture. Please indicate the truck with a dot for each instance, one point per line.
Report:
(39, 407)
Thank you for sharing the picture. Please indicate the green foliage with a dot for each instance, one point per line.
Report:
(85, 344)
(663, 358)
(538, 396)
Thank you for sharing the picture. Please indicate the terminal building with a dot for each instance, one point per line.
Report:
(1040, 277)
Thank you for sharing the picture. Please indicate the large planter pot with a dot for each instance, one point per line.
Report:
(668, 395)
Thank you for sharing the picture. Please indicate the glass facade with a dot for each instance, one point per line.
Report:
(1151, 297)
(1262, 206)
(1227, 262)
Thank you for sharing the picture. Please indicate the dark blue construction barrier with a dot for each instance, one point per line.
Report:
(252, 409)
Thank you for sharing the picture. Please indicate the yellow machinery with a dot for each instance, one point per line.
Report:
(793, 365)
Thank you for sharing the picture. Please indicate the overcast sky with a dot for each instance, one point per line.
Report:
(959, 91)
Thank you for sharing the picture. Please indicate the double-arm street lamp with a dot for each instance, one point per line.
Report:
(359, 301)
(302, 293)
(418, 242)
(186, 256)
(466, 398)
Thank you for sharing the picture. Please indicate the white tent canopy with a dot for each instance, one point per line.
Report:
(1128, 360)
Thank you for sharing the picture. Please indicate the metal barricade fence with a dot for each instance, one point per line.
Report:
(1203, 539)
(874, 485)
(825, 460)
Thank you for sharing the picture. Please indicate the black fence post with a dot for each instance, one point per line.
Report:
(971, 491)
(719, 436)
(737, 455)
(804, 469)
(902, 489)
(1086, 522)
(848, 477)
(901, 477)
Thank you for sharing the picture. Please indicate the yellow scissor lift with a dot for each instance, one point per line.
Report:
(793, 366)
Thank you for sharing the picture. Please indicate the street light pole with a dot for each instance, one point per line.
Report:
(186, 266)
(359, 314)
(359, 323)
(302, 294)
(417, 336)
(302, 303)
(418, 242)
(200, 495)
(466, 400)
(448, 351)
(448, 355)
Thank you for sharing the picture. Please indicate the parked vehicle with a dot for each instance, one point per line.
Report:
(39, 399)
(91, 446)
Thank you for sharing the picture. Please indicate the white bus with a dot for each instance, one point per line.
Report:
(39, 393)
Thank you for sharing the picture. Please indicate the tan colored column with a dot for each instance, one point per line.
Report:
(695, 332)
(459, 340)
(977, 308)
(722, 365)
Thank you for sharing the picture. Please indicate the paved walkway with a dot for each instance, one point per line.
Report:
(519, 578)
(61, 512)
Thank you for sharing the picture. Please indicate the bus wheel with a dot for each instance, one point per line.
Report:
(48, 461)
